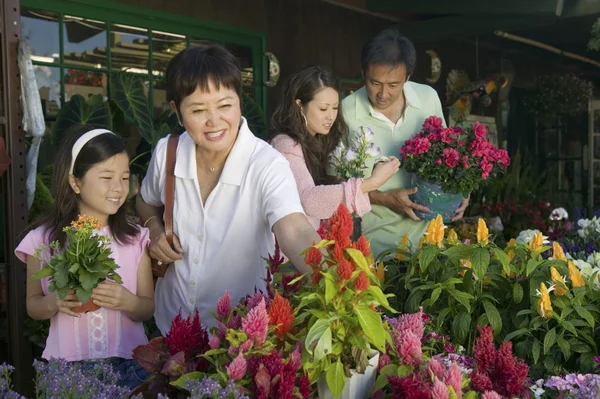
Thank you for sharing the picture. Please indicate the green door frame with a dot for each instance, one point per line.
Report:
(110, 11)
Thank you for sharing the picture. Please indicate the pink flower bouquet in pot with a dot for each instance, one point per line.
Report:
(449, 163)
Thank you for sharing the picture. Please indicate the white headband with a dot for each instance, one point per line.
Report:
(83, 140)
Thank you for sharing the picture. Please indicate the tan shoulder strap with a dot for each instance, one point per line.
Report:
(170, 186)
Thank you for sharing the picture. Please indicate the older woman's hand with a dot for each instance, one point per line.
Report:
(159, 247)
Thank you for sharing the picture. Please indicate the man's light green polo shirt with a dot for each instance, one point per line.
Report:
(382, 226)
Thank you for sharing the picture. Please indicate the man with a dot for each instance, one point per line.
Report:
(395, 109)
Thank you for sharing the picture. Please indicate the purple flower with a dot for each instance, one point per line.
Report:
(209, 388)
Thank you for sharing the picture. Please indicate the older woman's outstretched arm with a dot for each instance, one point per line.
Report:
(294, 234)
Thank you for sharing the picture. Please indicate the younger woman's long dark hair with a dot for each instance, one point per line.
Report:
(66, 203)
(288, 119)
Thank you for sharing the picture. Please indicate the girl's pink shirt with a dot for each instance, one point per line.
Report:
(320, 202)
(105, 332)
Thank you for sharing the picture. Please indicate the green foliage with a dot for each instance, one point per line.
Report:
(81, 265)
(94, 111)
(594, 43)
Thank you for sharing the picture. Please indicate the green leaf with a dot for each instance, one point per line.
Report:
(461, 326)
(370, 322)
(481, 261)
(581, 311)
(535, 350)
(127, 91)
(46, 271)
(565, 348)
(330, 290)
(78, 111)
(255, 116)
(384, 373)
(567, 325)
(435, 294)
(549, 363)
(193, 376)
(515, 334)
(549, 340)
(503, 258)
(324, 345)
(427, 255)
(358, 258)
(404, 371)
(517, 293)
(531, 266)
(380, 297)
(462, 297)
(459, 252)
(83, 295)
(315, 333)
(336, 378)
(61, 277)
(493, 316)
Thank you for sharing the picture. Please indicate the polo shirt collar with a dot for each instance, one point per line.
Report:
(364, 107)
(235, 166)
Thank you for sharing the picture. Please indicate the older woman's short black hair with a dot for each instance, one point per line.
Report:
(390, 48)
(197, 66)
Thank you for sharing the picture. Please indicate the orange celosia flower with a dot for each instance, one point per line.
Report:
(483, 233)
(361, 283)
(281, 315)
(465, 263)
(362, 244)
(575, 276)
(557, 251)
(452, 237)
(544, 307)
(403, 246)
(379, 271)
(537, 242)
(435, 231)
(345, 269)
(511, 252)
(557, 279)
(340, 227)
(313, 257)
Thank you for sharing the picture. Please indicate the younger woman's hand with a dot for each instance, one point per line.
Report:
(65, 305)
(382, 172)
(114, 296)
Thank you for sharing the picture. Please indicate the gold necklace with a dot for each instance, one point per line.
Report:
(207, 164)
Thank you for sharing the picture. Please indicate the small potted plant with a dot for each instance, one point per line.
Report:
(339, 315)
(448, 164)
(83, 263)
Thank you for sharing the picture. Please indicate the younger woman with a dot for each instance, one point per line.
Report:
(307, 126)
(91, 177)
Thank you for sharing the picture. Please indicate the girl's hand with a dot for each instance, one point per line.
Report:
(65, 305)
(382, 172)
(114, 296)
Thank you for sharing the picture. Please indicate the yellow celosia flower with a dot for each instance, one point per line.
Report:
(452, 237)
(575, 276)
(379, 271)
(557, 251)
(403, 246)
(537, 242)
(482, 232)
(465, 263)
(421, 241)
(544, 307)
(435, 231)
(511, 252)
(557, 279)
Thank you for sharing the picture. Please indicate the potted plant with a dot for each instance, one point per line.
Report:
(351, 161)
(339, 315)
(81, 264)
(448, 164)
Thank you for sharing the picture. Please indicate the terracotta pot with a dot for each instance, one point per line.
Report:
(89, 306)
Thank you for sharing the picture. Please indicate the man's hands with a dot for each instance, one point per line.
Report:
(398, 201)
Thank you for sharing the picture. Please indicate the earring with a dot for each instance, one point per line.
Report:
(305, 120)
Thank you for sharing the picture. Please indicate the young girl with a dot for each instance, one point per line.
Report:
(91, 177)
(307, 126)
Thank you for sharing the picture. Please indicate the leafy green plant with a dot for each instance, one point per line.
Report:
(82, 264)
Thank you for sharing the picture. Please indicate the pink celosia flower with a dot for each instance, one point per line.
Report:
(491, 395)
(224, 306)
(413, 322)
(436, 367)
(439, 390)
(214, 342)
(453, 378)
(384, 360)
(408, 348)
(246, 346)
(235, 321)
(256, 323)
(237, 369)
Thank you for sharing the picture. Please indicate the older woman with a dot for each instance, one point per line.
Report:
(232, 192)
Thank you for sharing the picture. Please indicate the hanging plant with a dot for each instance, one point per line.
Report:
(556, 94)
(594, 43)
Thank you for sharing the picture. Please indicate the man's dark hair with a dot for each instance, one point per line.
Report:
(389, 47)
(197, 66)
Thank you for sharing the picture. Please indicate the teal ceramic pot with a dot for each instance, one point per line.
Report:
(433, 197)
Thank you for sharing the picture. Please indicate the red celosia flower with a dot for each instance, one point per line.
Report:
(322, 230)
(341, 226)
(338, 253)
(362, 244)
(409, 387)
(313, 257)
(344, 269)
(187, 335)
(256, 323)
(304, 386)
(361, 283)
(316, 277)
(276, 260)
(484, 350)
(480, 381)
(281, 315)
